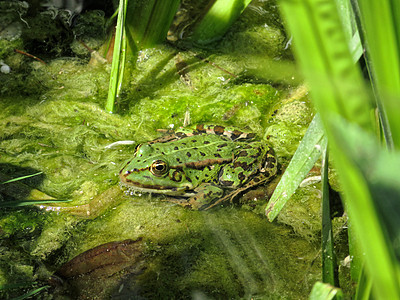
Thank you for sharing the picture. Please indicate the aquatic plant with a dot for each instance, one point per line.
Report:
(354, 112)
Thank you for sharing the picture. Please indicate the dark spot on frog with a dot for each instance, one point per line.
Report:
(206, 142)
(195, 148)
(222, 145)
(180, 134)
(267, 174)
(202, 154)
(178, 160)
(194, 141)
(217, 155)
(188, 154)
(256, 179)
(200, 128)
(176, 148)
(227, 183)
(148, 177)
(174, 189)
(197, 177)
(243, 165)
(219, 130)
(271, 160)
(176, 176)
(184, 144)
(236, 134)
(241, 176)
(242, 153)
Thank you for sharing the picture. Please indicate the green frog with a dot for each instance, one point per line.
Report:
(202, 166)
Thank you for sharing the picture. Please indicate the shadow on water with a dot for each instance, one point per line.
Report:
(226, 253)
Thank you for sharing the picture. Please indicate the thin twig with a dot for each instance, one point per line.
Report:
(30, 55)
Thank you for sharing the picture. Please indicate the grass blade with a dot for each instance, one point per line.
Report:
(118, 57)
(329, 267)
(21, 178)
(303, 160)
(31, 293)
(29, 202)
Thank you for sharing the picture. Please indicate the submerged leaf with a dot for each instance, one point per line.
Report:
(100, 271)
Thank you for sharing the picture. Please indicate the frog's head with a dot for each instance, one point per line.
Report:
(150, 171)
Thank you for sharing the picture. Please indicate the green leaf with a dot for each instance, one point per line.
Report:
(372, 189)
(303, 160)
(21, 178)
(323, 291)
(217, 20)
(329, 267)
(30, 202)
(119, 56)
(31, 293)
(147, 22)
(336, 84)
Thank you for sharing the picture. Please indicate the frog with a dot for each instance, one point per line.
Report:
(200, 167)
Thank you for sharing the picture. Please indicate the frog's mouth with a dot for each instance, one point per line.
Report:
(183, 191)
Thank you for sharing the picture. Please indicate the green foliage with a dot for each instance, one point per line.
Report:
(367, 171)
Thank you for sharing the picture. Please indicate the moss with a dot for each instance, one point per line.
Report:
(53, 121)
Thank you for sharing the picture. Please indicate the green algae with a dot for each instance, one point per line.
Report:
(52, 120)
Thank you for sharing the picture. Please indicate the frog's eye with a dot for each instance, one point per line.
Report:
(159, 168)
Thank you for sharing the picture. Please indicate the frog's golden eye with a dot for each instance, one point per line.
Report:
(158, 168)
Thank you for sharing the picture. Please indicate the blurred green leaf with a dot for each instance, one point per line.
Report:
(336, 85)
(382, 41)
(370, 198)
(323, 291)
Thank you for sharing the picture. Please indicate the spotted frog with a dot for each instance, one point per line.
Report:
(204, 166)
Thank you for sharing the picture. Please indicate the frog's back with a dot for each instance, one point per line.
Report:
(194, 149)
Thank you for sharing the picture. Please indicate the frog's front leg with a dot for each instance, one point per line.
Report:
(206, 194)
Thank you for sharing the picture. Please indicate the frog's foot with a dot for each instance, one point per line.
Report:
(181, 202)
(205, 194)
